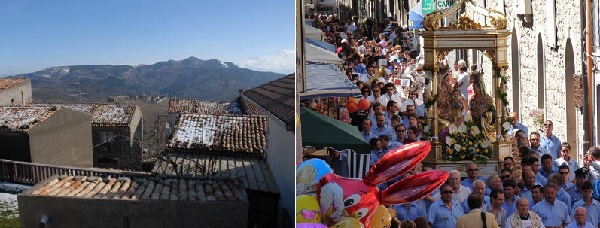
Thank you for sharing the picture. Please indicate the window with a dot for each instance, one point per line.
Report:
(106, 136)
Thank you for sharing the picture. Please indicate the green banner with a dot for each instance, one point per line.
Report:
(428, 6)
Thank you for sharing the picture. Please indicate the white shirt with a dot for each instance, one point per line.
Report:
(464, 87)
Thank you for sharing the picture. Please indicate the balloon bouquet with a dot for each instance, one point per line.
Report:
(325, 199)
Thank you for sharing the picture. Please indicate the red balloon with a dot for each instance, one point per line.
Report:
(352, 106)
(397, 162)
(364, 104)
(352, 99)
(414, 187)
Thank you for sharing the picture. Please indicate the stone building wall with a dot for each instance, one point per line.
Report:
(554, 90)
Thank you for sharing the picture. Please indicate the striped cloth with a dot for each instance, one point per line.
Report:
(358, 164)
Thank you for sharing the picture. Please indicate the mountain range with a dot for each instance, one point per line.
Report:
(189, 78)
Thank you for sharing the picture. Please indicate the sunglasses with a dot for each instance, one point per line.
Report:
(564, 151)
(447, 192)
(375, 91)
(401, 131)
(547, 125)
(505, 164)
(506, 176)
(472, 169)
(563, 173)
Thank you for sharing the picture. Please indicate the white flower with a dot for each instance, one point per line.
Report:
(457, 147)
(469, 117)
(452, 128)
(462, 128)
(448, 140)
(475, 130)
(485, 144)
(506, 126)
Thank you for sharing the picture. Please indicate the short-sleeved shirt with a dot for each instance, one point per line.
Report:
(519, 126)
(502, 215)
(376, 155)
(464, 79)
(563, 196)
(440, 216)
(540, 151)
(572, 190)
(552, 214)
(541, 179)
(467, 182)
(510, 208)
(551, 144)
(572, 163)
(412, 213)
(553, 170)
(369, 136)
(386, 130)
(459, 196)
(592, 211)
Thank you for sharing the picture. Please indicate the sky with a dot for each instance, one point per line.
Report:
(38, 34)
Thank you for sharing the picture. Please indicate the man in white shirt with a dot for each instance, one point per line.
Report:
(462, 79)
(460, 192)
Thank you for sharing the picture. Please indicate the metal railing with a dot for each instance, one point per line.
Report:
(33, 173)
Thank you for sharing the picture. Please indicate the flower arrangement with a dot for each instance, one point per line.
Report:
(466, 142)
(537, 115)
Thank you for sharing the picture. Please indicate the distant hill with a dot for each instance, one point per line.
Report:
(188, 78)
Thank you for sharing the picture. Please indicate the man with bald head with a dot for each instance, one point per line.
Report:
(515, 125)
(580, 222)
(460, 193)
(472, 176)
(479, 189)
(523, 217)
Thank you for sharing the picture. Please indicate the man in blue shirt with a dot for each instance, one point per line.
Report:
(510, 200)
(580, 219)
(547, 166)
(381, 128)
(591, 205)
(399, 141)
(549, 141)
(529, 181)
(366, 133)
(479, 189)
(408, 211)
(516, 125)
(376, 152)
(576, 190)
(553, 212)
(561, 194)
(535, 167)
(472, 176)
(444, 212)
(565, 159)
(338, 161)
(536, 147)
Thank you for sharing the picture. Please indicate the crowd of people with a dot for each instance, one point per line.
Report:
(379, 59)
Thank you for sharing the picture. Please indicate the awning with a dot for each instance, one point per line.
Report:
(317, 54)
(313, 33)
(327, 80)
(321, 44)
(415, 17)
(321, 131)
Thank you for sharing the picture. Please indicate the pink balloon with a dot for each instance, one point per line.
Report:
(310, 225)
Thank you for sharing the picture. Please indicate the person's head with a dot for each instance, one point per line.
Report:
(390, 88)
(547, 162)
(525, 166)
(550, 192)
(421, 222)
(412, 132)
(509, 188)
(523, 206)
(456, 92)
(376, 91)
(377, 107)
(334, 154)
(537, 193)
(400, 131)
(395, 121)
(454, 179)
(375, 144)
(474, 201)
(365, 91)
(514, 117)
(565, 149)
(535, 165)
(479, 187)
(529, 179)
(586, 190)
(446, 193)
(494, 182)
(580, 215)
(462, 65)
(413, 120)
(534, 139)
(380, 118)
(580, 177)
(505, 174)
(563, 171)
(385, 140)
(548, 127)
(366, 125)
(472, 170)
(520, 185)
(594, 153)
(497, 198)
(509, 163)
(391, 106)
(410, 109)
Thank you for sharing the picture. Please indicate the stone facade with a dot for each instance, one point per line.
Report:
(542, 76)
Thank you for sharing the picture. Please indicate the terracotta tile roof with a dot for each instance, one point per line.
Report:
(112, 114)
(253, 172)
(23, 118)
(102, 114)
(185, 106)
(277, 97)
(124, 188)
(6, 83)
(231, 134)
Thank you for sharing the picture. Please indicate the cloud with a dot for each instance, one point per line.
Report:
(281, 62)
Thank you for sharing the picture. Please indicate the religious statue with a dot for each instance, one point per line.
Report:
(444, 95)
(482, 109)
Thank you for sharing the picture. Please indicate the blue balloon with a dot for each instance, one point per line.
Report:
(308, 175)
